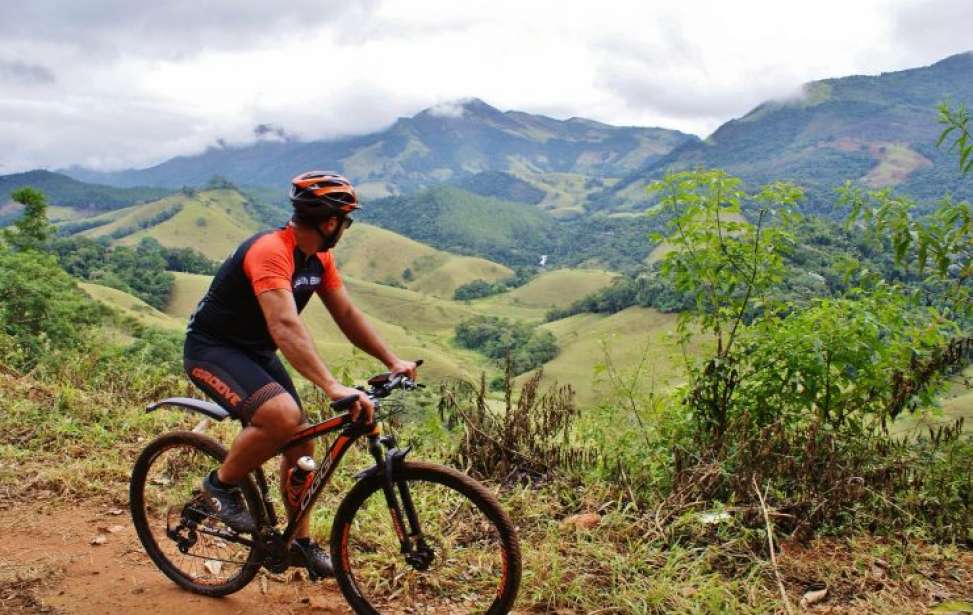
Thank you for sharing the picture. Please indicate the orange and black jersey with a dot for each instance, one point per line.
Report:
(271, 260)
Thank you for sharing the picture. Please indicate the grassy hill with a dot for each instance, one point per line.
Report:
(465, 223)
(125, 221)
(378, 255)
(559, 288)
(627, 337)
(418, 320)
(132, 306)
(212, 222)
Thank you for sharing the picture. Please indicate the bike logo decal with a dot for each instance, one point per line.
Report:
(322, 473)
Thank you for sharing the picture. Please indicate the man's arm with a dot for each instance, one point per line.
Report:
(360, 332)
(295, 342)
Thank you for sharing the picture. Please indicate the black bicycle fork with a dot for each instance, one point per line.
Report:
(412, 544)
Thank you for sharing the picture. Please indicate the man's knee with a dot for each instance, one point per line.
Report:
(279, 416)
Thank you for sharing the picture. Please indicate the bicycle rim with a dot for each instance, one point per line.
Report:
(475, 560)
(188, 544)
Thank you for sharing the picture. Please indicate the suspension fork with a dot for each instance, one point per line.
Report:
(388, 464)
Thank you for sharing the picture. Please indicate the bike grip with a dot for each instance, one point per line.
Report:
(418, 362)
(344, 403)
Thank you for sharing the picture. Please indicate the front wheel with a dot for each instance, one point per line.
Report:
(466, 560)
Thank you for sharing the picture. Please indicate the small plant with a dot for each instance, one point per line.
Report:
(529, 439)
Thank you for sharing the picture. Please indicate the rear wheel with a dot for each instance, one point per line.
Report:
(172, 520)
(467, 559)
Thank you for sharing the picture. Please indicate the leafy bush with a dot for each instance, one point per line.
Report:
(142, 270)
(41, 308)
(796, 397)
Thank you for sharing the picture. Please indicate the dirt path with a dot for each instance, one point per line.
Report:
(49, 565)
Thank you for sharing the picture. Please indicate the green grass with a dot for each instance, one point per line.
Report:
(378, 255)
(129, 217)
(957, 403)
(626, 337)
(559, 288)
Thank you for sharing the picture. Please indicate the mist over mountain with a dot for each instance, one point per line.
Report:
(878, 130)
(443, 143)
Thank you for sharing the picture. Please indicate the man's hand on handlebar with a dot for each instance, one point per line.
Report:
(363, 404)
(406, 368)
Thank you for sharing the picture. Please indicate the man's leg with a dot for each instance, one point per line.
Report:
(271, 425)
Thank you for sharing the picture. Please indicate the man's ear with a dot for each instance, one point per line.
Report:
(329, 225)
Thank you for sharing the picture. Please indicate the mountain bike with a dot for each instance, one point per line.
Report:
(407, 537)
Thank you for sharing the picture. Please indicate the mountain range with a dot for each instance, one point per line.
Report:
(443, 144)
(878, 130)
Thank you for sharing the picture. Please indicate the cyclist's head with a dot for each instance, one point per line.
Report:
(323, 200)
(319, 195)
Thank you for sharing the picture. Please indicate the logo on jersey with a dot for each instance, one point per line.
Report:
(307, 280)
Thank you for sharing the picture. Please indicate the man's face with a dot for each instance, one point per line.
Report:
(332, 229)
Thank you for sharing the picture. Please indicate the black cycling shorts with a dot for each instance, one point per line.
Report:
(237, 380)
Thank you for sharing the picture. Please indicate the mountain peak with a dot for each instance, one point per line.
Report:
(461, 107)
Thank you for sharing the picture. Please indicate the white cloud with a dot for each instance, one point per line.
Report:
(452, 108)
(112, 84)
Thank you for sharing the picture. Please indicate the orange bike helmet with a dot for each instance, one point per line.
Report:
(318, 195)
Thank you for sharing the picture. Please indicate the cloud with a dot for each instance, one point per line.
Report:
(113, 83)
(25, 74)
(271, 132)
(454, 108)
(928, 31)
(107, 29)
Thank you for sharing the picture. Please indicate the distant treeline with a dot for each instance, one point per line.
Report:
(480, 288)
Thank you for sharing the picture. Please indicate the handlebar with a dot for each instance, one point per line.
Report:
(382, 385)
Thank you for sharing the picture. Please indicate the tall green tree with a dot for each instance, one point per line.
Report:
(32, 230)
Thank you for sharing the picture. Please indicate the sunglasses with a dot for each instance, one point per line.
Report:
(346, 222)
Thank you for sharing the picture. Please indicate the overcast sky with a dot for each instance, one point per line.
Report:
(113, 84)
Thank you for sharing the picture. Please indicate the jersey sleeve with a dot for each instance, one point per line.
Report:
(332, 279)
(269, 265)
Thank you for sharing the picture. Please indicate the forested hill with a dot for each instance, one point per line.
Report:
(881, 130)
(439, 144)
(66, 191)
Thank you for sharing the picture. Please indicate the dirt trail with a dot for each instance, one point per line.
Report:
(48, 565)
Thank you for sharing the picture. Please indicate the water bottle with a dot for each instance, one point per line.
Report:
(298, 480)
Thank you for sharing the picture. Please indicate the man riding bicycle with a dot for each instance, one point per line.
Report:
(251, 309)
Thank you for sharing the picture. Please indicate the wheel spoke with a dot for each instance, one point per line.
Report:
(457, 566)
(202, 552)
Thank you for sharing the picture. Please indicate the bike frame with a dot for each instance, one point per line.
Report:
(351, 430)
